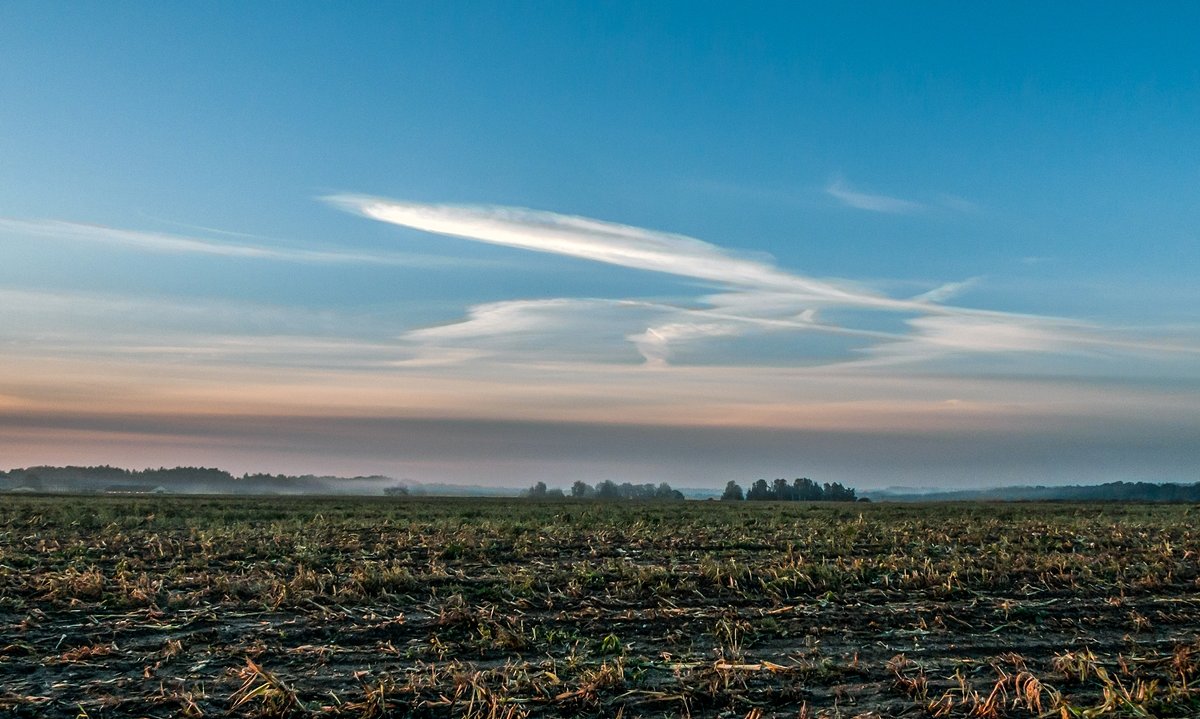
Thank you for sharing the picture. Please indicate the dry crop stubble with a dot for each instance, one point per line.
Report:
(165, 606)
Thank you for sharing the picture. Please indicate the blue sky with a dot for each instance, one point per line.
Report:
(876, 243)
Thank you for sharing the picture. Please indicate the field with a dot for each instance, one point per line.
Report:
(162, 606)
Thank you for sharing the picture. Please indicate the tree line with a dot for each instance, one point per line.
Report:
(1107, 492)
(802, 489)
(183, 480)
(607, 490)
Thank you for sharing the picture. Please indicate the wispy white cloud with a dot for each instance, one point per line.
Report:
(606, 242)
(1089, 345)
(43, 327)
(656, 343)
(935, 336)
(594, 329)
(181, 244)
(559, 329)
(946, 291)
(839, 190)
(756, 298)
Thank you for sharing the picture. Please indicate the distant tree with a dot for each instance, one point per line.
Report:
(29, 480)
(582, 490)
(806, 490)
(607, 490)
(397, 491)
(537, 491)
(835, 492)
(782, 491)
(555, 493)
(733, 492)
(759, 491)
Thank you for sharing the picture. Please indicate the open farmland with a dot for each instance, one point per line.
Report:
(163, 606)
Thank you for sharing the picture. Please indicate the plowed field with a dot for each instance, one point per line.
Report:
(166, 606)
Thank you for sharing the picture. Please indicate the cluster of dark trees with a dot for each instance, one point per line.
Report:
(607, 490)
(105, 476)
(802, 489)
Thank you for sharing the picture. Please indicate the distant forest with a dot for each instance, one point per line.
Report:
(193, 480)
(607, 490)
(1108, 492)
(801, 489)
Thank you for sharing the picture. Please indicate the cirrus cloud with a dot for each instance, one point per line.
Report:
(756, 298)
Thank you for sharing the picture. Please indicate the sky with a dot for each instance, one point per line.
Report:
(885, 244)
